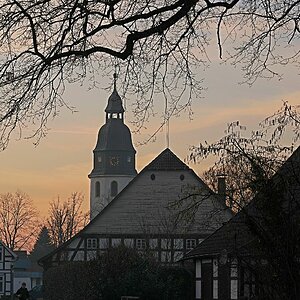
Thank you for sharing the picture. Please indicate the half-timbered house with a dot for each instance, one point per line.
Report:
(7, 258)
(148, 214)
(255, 255)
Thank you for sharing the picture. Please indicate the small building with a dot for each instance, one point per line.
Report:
(25, 270)
(148, 214)
(7, 259)
(256, 254)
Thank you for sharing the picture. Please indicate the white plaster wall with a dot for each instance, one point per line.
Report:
(98, 203)
(19, 280)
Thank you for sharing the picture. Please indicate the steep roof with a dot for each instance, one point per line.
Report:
(114, 135)
(236, 233)
(166, 161)
(114, 104)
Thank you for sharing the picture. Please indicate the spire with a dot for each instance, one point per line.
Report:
(114, 104)
(115, 81)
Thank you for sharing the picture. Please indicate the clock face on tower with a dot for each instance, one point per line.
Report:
(114, 161)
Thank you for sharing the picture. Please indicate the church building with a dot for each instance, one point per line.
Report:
(166, 209)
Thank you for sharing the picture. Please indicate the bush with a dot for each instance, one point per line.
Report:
(121, 271)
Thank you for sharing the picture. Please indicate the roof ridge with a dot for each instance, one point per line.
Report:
(166, 160)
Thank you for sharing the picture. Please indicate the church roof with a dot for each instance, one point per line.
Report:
(114, 135)
(166, 161)
(114, 104)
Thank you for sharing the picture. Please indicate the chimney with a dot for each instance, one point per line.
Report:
(222, 188)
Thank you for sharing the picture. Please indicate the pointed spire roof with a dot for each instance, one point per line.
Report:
(114, 104)
(166, 161)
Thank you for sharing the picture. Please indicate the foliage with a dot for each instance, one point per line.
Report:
(265, 233)
(18, 221)
(45, 44)
(119, 272)
(42, 246)
(66, 218)
(273, 221)
(248, 161)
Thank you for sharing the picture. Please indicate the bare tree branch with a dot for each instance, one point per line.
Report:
(46, 44)
(66, 218)
(18, 221)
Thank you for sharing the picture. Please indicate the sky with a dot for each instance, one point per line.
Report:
(60, 164)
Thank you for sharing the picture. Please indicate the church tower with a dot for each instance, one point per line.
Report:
(114, 157)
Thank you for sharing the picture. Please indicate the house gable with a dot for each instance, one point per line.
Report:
(151, 202)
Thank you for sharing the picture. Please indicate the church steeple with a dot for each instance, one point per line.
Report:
(114, 155)
(114, 108)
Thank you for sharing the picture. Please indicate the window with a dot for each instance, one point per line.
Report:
(114, 189)
(1, 253)
(165, 243)
(91, 243)
(166, 256)
(128, 243)
(234, 279)
(104, 243)
(115, 242)
(97, 189)
(178, 243)
(153, 243)
(190, 244)
(141, 244)
(38, 281)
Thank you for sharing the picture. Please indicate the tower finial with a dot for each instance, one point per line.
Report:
(115, 80)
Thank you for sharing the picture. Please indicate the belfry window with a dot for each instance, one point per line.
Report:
(97, 189)
(113, 188)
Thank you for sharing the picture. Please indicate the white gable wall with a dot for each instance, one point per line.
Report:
(144, 205)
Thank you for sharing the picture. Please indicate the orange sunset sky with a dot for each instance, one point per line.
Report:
(59, 165)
